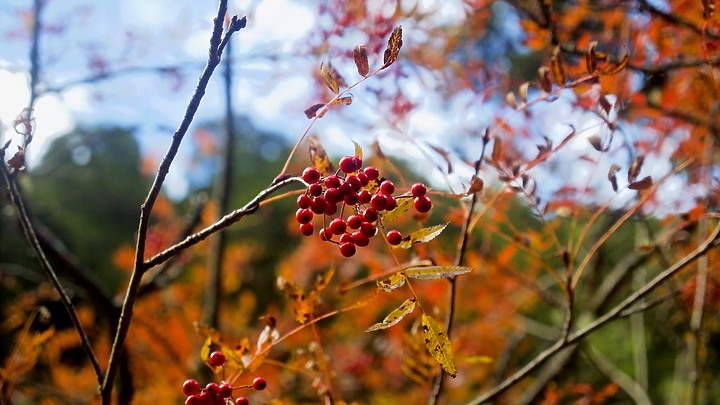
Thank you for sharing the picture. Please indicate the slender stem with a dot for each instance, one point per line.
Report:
(217, 43)
(437, 387)
(32, 239)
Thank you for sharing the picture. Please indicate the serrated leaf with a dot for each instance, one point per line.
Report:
(358, 150)
(438, 344)
(615, 68)
(641, 184)
(393, 282)
(302, 306)
(422, 236)
(319, 157)
(436, 272)
(395, 316)
(361, 60)
(395, 42)
(331, 77)
(311, 111)
(404, 203)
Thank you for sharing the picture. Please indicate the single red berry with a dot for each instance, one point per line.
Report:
(379, 202)
(315, 189)
(370, 215)
(217, 359)
(394, 237)
(422, 204)
(354, 221)
(344, 238)
(303, 201)
(364, 197)
(348, 164)
(418, 190)
(242, 401)
(360, 239)
(358, 162)
(387, 187)
(337, 226)
(225, 390)
(259, 383)
(324, 234)
(346, 189)
(204, 398)
(371, 172)
(192, 400)
(213, 389)
(303, 216)
(307, 229)
(333, 196)
(332, 181)
(368, 229)
(318, 205)
(391, 203)
(351, 199)
(354, 182)
(363, 179)
(311, 175)
(347, 249)
(191, 387)
(331, 209)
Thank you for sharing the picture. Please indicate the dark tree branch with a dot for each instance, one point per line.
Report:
(217, 42)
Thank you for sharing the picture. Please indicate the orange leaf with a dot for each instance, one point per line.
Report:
(393, 47)
(361, 60)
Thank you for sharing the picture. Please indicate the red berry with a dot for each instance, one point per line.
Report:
(368, 229)
(324, 234)
(204, 398)
(212, 388)
(344, 238)
(354, 182)
(224, 390)
(302, 216)
(331, 209)
(391, 203)
(394, 237)
(242, 401)
(358, 162)
(347, 249)
(363, 179)
(311, 175)
(371, 172)
(387, 187)
(346, 189)
(370, 215)
(337, 226)
(332, 181)
(192, 400)
(348, 164)
(259, 383)
(318, 205)
(418, 190)
(354, 221)
(191, 387)
(360, 239)
(379, 202)
(333, 196)
(315, 189)
(422, 204)
(303, 201)
(307, 229)
(351, 199)
(217, 359)
(364, 197)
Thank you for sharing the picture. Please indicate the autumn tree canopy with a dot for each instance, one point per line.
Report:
(454, 202)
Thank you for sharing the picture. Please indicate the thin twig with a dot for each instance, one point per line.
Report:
(634, 389)
(217, 42)
(611, 315)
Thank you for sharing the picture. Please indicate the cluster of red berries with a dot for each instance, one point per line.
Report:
(361, 189)
(217, 394)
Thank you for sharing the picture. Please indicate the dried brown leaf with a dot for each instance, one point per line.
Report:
(361, 60)
(311, 111)
(557, 67)
(392, 51)
(641, 184)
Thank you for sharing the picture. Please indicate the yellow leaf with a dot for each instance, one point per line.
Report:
(436, 272)
(422, 236)
(393, 282)
(358, 150)
(345, 100)
(438, 345)
(404, 203)
(557, 67)
(319, 157)
(321, 283)
(395, 316)
(395, 42)
(361, 60)
(331, 77)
